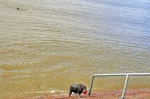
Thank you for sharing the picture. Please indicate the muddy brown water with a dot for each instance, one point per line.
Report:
(46, 45)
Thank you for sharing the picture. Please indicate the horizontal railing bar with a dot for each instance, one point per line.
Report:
(123, 74)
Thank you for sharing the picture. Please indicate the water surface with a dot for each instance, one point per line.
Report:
(48, 45)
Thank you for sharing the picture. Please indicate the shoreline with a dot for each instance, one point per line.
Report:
(116, 94)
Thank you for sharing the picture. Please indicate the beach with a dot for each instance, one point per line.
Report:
(130, 94)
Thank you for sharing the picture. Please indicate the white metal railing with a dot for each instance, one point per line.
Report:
(120, 74)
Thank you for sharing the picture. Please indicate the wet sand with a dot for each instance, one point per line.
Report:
(116, 94)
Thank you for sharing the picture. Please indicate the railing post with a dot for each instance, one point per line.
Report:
(91, 85)
(125, 87)
(121, 74)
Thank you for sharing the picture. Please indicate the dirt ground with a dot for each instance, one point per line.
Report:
(130, 94)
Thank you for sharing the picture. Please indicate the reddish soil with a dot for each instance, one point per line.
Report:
(130, 94)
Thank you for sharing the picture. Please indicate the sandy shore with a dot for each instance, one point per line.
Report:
(130, 94)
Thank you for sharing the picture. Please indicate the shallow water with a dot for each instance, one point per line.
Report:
(47, 45)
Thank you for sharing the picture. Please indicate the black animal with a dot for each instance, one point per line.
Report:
(17, 8)
(77, 89)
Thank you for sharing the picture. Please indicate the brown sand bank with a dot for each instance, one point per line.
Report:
(130, 94)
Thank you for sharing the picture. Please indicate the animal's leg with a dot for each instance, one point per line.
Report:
(70, 93)
(79, 95)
